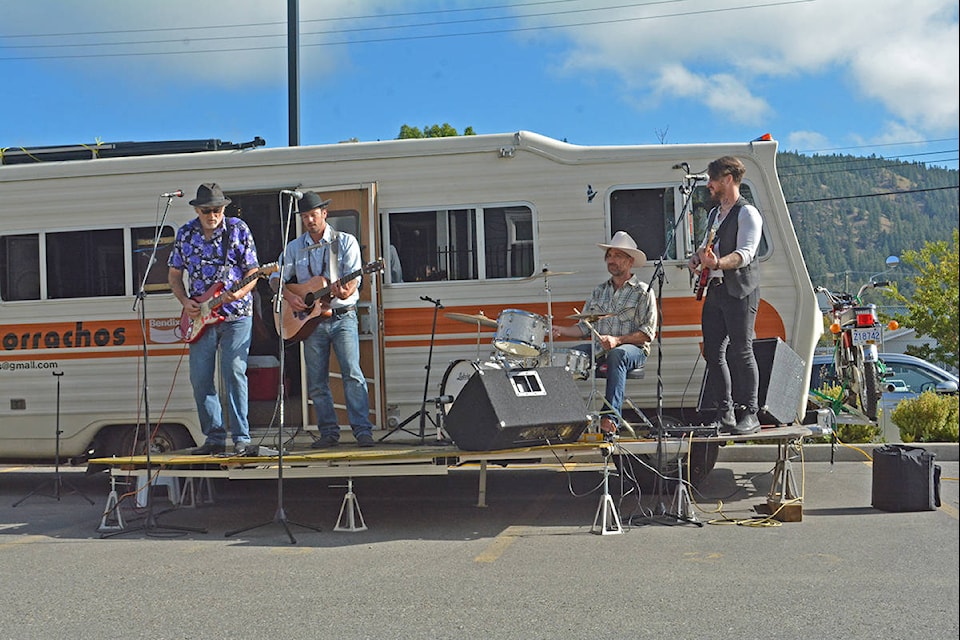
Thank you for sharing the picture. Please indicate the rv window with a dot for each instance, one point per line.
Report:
(480, 243)
(649, 215)
(143, 239)
(85, 264)
(20, 267)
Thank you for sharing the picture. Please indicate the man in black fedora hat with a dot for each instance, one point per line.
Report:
(322, 257)
(626, 322)
(209, 251)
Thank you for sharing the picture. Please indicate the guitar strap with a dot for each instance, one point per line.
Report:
(334, 256)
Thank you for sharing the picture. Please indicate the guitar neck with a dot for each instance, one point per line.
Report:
(322, 293)
(240, 285)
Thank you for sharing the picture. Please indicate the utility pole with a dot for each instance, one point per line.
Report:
(293, 72)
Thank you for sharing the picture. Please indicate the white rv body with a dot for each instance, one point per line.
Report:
(443, 201)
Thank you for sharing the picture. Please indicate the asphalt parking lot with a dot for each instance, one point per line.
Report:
(432, 564)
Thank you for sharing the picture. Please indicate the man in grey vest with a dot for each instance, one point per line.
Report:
(732, 298)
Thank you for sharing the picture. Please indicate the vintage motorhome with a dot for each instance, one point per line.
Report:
(472, 226)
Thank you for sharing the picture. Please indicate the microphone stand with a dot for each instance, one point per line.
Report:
(663, 516)
(150, 524)
(58, 482)
(422, 412)
(280, 516)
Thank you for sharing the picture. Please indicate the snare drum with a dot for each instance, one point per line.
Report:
(457, 375)
(520, 333)
(576, 362)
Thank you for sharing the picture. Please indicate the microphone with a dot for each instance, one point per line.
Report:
(291, 192)
(697, 176)
(173, 194)
(429, 299)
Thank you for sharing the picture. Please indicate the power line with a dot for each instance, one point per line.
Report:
(874, 195)
(401, 38)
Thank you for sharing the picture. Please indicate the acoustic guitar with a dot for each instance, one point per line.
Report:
(210, 302)
(297, 325)
(700, 285)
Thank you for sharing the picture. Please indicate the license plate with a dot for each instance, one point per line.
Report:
(866, 336)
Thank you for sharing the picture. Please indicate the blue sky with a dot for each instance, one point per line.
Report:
(864, 77)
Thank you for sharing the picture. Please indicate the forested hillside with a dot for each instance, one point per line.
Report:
(850, 212)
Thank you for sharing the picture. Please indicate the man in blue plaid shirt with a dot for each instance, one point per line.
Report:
(622, 337)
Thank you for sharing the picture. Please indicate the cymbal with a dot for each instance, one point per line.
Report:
(589, 317)
(546, 273)
(480, 319)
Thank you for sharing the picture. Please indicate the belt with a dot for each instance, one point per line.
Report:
(715, 281)
(339, 311)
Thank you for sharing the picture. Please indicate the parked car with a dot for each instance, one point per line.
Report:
(905, 377)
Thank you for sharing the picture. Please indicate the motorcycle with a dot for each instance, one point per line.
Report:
(856, 332)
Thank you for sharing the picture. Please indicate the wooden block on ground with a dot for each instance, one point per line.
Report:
(784, 512)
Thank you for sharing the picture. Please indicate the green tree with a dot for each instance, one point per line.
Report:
(932, 310)
(435, 131)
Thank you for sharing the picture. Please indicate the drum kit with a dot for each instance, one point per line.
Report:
(522, 340)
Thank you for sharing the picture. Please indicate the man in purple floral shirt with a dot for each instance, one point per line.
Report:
(209, 250)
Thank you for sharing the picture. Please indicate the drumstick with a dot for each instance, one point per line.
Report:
(587, 322)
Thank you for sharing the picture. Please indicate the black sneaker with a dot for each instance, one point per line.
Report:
(365, 441)
(208, 449)
(324, 442)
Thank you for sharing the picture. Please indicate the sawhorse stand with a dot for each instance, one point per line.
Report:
(350, 518)
(784, 502)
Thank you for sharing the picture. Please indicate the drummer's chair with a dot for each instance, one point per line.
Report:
(622, 423)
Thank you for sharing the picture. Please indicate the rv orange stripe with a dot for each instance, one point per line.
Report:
(402, 322)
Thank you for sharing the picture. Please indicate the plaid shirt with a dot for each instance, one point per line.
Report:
(633, 306)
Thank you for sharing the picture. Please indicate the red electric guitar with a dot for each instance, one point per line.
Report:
(297, 325)
(701, 284)
(210, 302)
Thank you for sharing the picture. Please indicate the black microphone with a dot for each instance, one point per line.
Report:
(290, 192)
(429, 299)
(173, 194)
(697, 176)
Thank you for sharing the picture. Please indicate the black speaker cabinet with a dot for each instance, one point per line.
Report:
(781, 382)
(905, 479)
(498, 409)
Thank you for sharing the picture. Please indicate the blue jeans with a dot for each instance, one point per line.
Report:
(341, 333)
(232, 339)
(620, 360)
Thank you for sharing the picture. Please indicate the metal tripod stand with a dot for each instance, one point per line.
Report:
(57, 481)
(422, 411)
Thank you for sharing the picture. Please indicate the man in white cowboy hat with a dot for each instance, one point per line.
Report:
(626, 323)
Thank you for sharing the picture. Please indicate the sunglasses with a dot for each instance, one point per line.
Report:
(209, 210)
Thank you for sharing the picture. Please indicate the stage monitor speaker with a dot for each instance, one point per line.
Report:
(781, 382)
(500, 409)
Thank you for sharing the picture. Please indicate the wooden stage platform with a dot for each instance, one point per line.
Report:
(186, 474)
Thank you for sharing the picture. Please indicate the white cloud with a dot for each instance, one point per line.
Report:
(903, 56)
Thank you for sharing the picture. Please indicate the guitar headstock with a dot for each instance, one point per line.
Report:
(267, 269)
(373, 267)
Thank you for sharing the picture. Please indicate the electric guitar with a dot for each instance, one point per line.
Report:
(297, 325)
(210, 302)
(701, 284)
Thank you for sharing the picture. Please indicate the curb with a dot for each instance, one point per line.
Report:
(944, 451)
